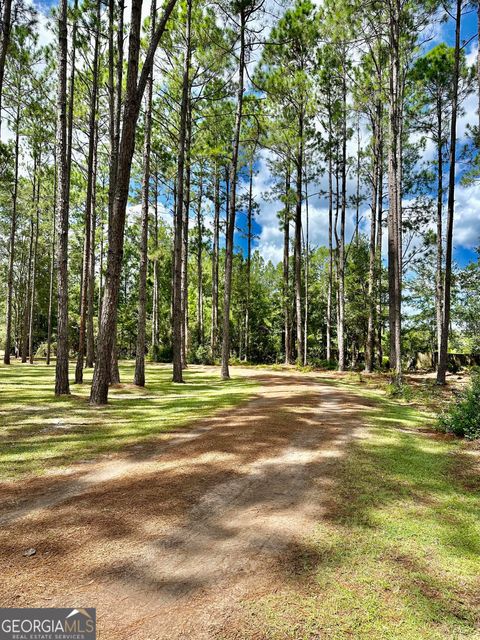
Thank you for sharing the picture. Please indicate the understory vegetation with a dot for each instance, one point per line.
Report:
(397, 553)
(190, 182)
(40, 434)
(462, 416)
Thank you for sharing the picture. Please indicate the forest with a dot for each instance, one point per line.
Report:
(240, 182)
(240, 304)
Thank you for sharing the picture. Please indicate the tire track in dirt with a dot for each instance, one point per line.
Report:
(166, 543)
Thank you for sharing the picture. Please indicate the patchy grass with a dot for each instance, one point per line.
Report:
(397, 554)
(40, 432)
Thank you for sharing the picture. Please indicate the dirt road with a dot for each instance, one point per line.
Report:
(166, 541)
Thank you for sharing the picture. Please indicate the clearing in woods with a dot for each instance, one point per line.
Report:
(289, 505)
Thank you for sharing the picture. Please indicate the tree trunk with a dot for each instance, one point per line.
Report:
(443, 355)
(379, 243)
(200, 331)
(13, 234)
(115, 112)
(90, 351)
(341, 248)
(155, 296)
(28, 293)
(478, 72)
(307, 258)
(232, 206)
(330, 233)
(61, 371)
(185, 227)
(71, 95)
(139, 377)
(4, 42)
(249, 255)
(34, 272)
(439, 274)
(370, 344)
(52, 269)
(177, 314)
(298, 243)
(133, 98)
(286, 266)
(216, 236)
(89, 209)
(395, 194)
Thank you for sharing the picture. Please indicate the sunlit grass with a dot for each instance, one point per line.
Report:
(397, 555)
(40, 432)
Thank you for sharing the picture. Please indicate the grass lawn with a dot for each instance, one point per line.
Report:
(40, 432)
(397, 556)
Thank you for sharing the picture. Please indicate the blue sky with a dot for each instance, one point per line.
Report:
(269, 238)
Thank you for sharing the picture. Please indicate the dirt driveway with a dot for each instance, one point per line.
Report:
(165, 541)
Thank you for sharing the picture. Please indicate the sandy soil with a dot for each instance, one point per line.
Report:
(167, 540)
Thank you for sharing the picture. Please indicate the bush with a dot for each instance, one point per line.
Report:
(201, 355)
(42, 350)
(402, 391)
(462, 416)
(161, 353)
(322, 363)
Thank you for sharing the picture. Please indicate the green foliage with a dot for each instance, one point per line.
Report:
(401, 391)
(201, 355)
(396, 555)
(40, 432)
(462, 416)
(161, 353)
(329, 365)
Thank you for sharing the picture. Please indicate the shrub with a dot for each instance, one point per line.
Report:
(322, 363)
(462, 416)
(161, 353)
(402, 391)
(42, 350)
(201, 355)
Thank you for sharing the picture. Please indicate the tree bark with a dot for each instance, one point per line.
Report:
(52, 268)
(298, 242)
(379, 246)
(28, 294)
(34, 272)
(330, 233)
(4, 42)
(439, 274)
(90, 351)
(216, 237)
(115, 113)
(341, 247)
(61, 372)
(232, 206)
(286, 266)
(133, 97)
(395, 192)
(139, 377)
(185, 227)
(306, 283)
(13, 234)
(71, 95)
(443, 355)
(155, 296)
(370, 344)
(177, 312)
(249, 254)
(89, 208)
(200, 330)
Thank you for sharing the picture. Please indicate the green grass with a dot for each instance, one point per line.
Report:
(41, 432)
(397, 556)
